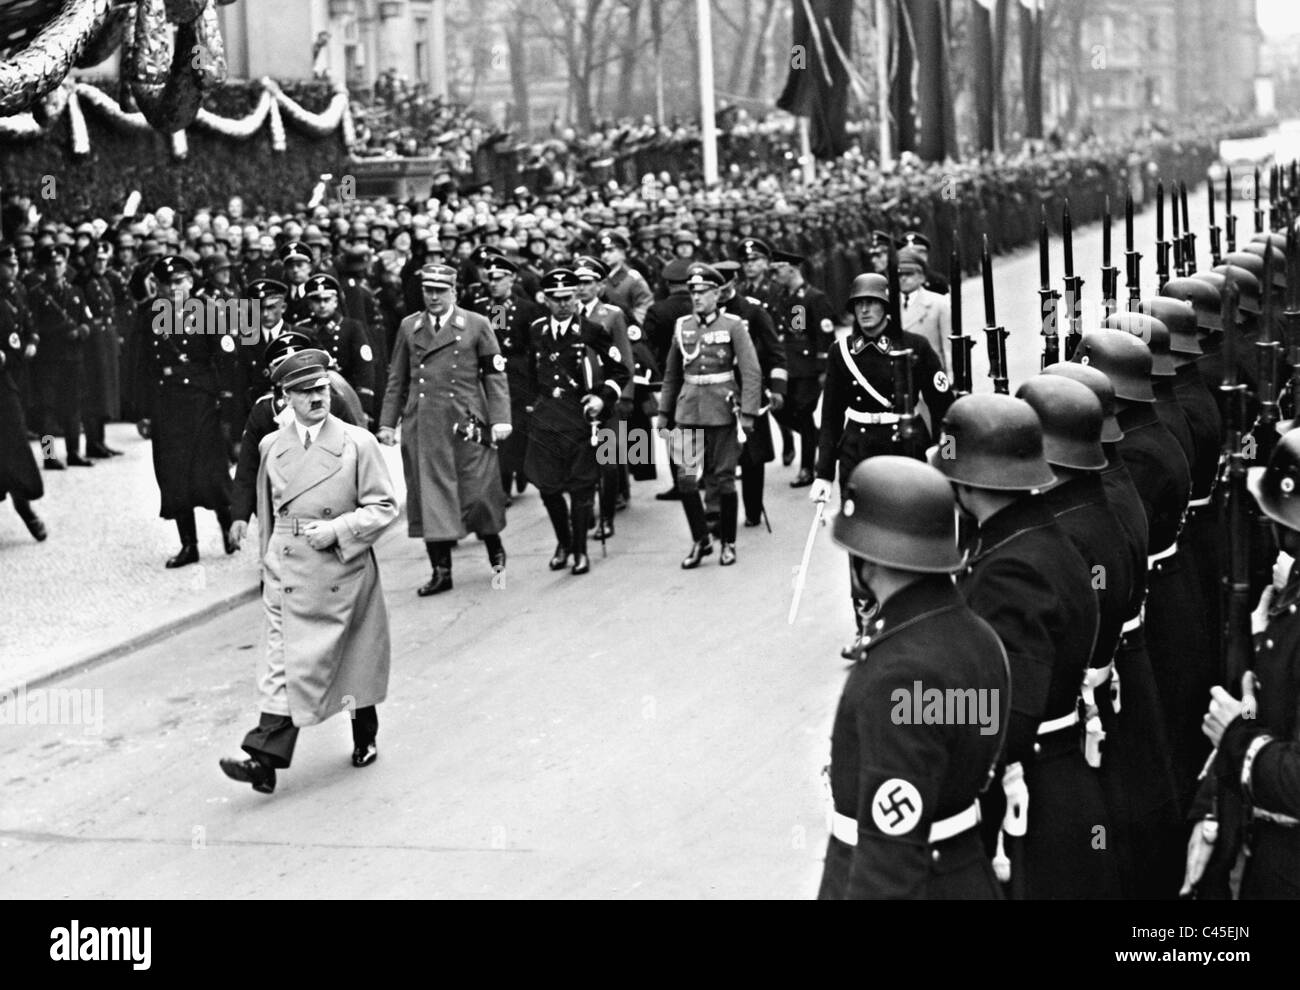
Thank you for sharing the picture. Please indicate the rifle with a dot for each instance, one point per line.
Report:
(1229, 218)
(1109, 273)
(1162, 245)
(1047, 297)
(1216, 245)
(1291, 315)
(1236, 583)
(1267, 351)
(1273, 204)
(1132, 257)
(997, 339)
(1189, 238)
(1073, 287)
(906, 432)
(961, 344)
(1259, 213)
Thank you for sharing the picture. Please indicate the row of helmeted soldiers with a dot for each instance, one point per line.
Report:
(1121, 600)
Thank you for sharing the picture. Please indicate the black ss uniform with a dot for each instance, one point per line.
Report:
(62, 319)
(1031, 585)
(345, 340)
(805, 325)
(858, 417)
(560, 456)
(510, 321)
(19, 474)
(758, 449)
(893, 784)
(183, 380)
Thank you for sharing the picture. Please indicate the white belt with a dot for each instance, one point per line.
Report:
(872, 419)
(1095, 677)
(1056, 724)
(1272, 816)
(1200, 503)
(1164, 554)
(845, 828)
(719, 378)
(1135, 623)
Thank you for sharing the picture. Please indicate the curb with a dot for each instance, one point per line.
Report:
(100, 655)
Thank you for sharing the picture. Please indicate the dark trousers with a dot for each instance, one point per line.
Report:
(272, 742)
(797, 415)
(59, 390)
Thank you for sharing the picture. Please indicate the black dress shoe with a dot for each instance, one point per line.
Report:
(604, 530)
(497, 560)
(437, 584)
(189, 555)
(803, 479)
(250, 771)
(36, 528)
(699, 550)
(53, 464)
(111, 451)
(751, 523)
(728, 556)
(98, 450)
(363, 756)
(787, 456)
(76, 460)
(520, 484)
(559, 559)
(581, 564)
(672, 495)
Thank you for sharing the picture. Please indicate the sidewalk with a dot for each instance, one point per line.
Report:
(97, 588)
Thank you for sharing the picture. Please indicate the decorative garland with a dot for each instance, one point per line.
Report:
(273, 103)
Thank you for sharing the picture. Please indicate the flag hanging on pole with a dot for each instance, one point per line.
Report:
(982, 52)
(937, 137)
(818, 84)
(1031, 65)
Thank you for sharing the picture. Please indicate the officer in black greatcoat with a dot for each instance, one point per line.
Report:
(905, 790)
(20, 478)
(184, 380)
(63, 323)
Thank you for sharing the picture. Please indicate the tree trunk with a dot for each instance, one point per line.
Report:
(627, 61)
(519, 74)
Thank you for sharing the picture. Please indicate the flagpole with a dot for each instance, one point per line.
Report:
(708, 124)
(805, 153)
(882, 84)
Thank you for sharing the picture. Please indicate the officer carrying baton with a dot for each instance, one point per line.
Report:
(802, 577)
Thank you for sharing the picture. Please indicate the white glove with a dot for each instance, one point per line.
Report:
(820, 490)
(1199, 848)
(1282, 568)
(500, 431)
(386, 436)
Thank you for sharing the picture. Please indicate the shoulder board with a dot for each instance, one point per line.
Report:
(459, 319)
(753, 301)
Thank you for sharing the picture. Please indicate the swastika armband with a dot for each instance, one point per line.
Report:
(492, 364)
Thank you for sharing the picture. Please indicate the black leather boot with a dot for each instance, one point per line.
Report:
(439, 552)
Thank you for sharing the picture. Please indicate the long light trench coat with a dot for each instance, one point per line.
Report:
(327, 647)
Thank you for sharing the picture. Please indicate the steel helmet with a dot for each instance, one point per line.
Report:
(993, 442)
(900, 513)
(869, 286)
(1071, 418)
(1246, 282)
(1151, 332)
(1277, 487)
(1180, 317)
(1204, 295)
(1263, 250)
(1123, 358)
(1101, 388)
